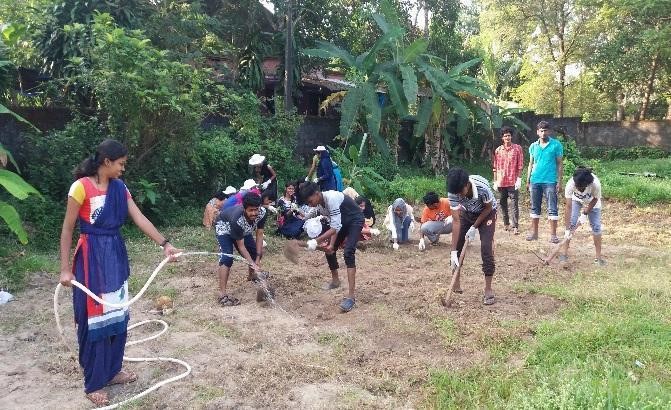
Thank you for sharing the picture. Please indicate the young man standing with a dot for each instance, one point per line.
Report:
(345, 222)
(544, 179)
(508, 163)
(474, 208)
(436, 219)
(236, 228)
(583, 203)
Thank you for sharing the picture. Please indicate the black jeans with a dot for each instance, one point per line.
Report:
(349, 234)
(486, 230)
(514, 195)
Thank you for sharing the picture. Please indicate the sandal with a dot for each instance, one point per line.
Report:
(532, 237)
(123, 377)
(489, 300)
(228, 301)
(99, 398)
(554, 239)
(346, 305)
(331, 285)
(516, 231)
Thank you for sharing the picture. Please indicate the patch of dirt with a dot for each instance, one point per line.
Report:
(303, 353)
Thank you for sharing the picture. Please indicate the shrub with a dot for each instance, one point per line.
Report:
(413, 189)
(610, 154)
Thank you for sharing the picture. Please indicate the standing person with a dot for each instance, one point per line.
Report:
(263, 174)
(240, 227)
(544, 178)
(583, 203)
(508, 164)
(325, 176)
(474, 208)
(436, 219)
(399, 221)
(100, 202)
(345, 221)
(214, 205)
(290, 220)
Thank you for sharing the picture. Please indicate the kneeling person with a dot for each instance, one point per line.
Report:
(235, 228)
(474, 208)
(345, 221)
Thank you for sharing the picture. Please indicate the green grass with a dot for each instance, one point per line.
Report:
(17, 261)
(585, 358)
(638, 189)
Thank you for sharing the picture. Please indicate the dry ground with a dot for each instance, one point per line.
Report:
(303, 353)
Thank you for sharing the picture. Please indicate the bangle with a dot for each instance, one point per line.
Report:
(165, 242)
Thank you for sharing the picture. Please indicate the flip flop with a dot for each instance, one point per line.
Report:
(489, 300)
(228, 301)
(123, 377)
(99, 398)
(531, 237)
(554, 239)
(346, 305)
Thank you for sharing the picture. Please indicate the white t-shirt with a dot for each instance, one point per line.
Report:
(592, 191)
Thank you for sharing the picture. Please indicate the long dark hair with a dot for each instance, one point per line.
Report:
(108, 149)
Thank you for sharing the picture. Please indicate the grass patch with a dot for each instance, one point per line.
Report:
(609, 348)
(447, 329)
(638, 189)
(17, 262)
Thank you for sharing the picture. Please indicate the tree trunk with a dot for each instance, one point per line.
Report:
(426, 20)
(649, 88)
(435, 152)
(288, 59)
(619, 116)
(562, 88)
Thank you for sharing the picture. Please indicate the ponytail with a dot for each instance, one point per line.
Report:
(108, 149)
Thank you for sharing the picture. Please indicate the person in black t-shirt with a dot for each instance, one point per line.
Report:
(236, 228)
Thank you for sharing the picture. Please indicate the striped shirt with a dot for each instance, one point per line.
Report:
(482, 194)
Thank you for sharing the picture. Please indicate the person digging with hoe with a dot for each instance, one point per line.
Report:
(345, 222)
(473, 208)
(236, 227)
(100, 202)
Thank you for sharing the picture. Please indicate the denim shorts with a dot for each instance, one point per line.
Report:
(549, 191)
(594, 217)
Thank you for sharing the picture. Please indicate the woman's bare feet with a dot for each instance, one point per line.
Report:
(99, 398)
(123, 377)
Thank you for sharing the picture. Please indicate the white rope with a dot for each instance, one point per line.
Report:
(95, 297)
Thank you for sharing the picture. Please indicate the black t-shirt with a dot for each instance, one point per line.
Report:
(232, 222)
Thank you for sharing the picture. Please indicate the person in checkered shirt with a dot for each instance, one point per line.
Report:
(508, 164)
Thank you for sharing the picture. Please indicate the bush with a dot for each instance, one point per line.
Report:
(413, 189)
(385, 166)
(610, 154)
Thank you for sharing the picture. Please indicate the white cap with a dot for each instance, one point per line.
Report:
(256, 159)
(249, 184)
(313, 227)
(320, 148)
(229, 190)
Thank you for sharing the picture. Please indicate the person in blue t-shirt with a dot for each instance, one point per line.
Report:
(544, 179)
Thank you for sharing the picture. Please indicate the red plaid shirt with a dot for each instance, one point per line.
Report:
(508, 164)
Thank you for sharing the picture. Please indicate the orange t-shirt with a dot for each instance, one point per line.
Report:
(439, 214)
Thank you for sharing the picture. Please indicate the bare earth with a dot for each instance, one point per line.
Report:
(303, 353)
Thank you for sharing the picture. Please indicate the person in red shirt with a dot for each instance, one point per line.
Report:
(508, 164)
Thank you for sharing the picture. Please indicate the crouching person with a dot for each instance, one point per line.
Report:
(473, 208)
(240, 227)
(436, 219)
(583, 203)
(345, 222)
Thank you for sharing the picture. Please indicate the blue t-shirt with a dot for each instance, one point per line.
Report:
(544, 170)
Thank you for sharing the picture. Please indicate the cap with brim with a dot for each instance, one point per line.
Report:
(249, 184)
(313, 227)
(230, 190)
(320, 148)
(256, 159)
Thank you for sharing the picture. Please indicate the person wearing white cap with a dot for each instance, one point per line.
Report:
(326, 179)
(263, 174)
(214, 205)
(236, 199)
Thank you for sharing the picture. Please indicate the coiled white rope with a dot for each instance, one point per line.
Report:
(95, 297)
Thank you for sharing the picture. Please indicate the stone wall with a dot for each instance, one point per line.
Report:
(315, 131)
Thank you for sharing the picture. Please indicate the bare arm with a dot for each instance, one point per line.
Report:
(245, 254)
(66, 240)
(272, 172)
(560, 172)
(456, 227)
(531, 167)
(483, 215)
(259, 245)
(567, 213)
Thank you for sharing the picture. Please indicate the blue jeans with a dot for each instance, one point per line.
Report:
(594, 217)
(402, 231)
(549, 191)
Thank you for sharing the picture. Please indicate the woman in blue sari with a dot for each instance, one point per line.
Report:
(100, 202)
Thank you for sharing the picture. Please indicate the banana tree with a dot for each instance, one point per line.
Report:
(18, 188)
(415, 82)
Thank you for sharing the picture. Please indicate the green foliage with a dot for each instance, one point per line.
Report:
(363, 178)
(637, 189)
(413, 189)
(610, 154)
(16, 264)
